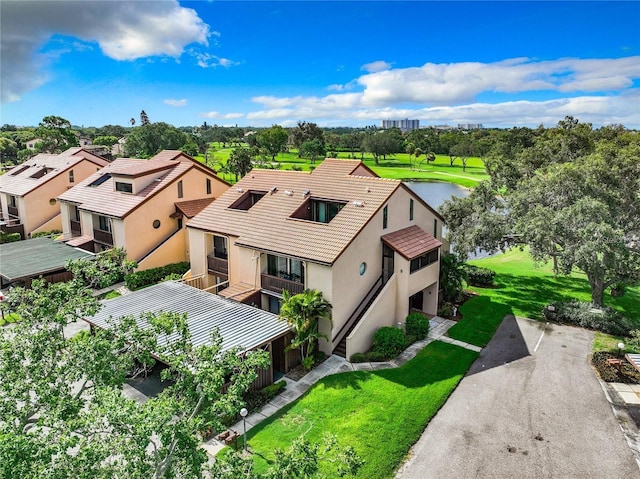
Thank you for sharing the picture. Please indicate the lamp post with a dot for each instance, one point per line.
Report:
(620, 348)
(243, 413)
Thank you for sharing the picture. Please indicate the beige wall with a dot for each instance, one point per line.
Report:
(198, 252)
(380, 314)
(166, 252)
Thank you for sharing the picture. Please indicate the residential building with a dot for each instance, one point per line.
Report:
(404, 125)
(28, 191)
(470, 126)
(371, 245)
(141, 206)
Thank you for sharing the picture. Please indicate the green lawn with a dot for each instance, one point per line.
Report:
(395, 167)
(381, 413)
(523, 289)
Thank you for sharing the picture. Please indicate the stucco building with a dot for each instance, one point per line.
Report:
(28, 191)
(371, 245)
(141, 206)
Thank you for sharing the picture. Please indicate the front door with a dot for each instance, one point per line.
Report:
(416, 301)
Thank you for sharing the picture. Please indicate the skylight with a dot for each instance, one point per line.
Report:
(100, 180)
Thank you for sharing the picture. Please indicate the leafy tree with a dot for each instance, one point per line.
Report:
(102, 270)
(108, 140)
(452, 275)
(463, 150)
(144, 118)
(302, 313)
(312, 149)
(8, 149)
(383, 143)
(63, 413)
(272, 140)
(190, 149)
(303, 132)
(239, 162)
(55, 134)
(410, 149)
(570, 198)
(111, 130)
(148, 140)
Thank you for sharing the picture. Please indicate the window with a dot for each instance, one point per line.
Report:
(156, 224)
(274, 305)
(385, 217)
(12, 201)
(318, 210)
(75, 213)
(124, 187)
(220, 247)
(286, 268)
(435, 228)
(363, 268)
(411, 210)
(179, 223)
(424, 260)
(180, 192)
(19, 170)
(100, 180)
(71, 178)
(208, 186)
(247, 200)
(104, 224)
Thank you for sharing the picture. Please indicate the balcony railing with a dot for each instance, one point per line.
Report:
(13, 211)
(217, 265)
(75, 227)
(276, 284)
(103, 237)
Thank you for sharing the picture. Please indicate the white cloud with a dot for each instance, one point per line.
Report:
(207, 60)
(172, 102)
(376, 66)
(209, 114)
(126, 31)
(232, 116)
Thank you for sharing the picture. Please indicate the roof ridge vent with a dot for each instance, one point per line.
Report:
(306, 193)
(359, 204)
(273, 189)
(288, 193)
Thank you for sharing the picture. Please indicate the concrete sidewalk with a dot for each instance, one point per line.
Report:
(333, 365)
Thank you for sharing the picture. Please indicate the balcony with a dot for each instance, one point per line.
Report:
(217, 265)
(277, 284)
(75, 228)
(103, 237)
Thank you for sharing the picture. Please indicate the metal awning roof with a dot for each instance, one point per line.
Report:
(239, 324)
(35, 257)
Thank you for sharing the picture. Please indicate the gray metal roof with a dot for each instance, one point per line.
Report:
(239, 324)
(35, 257)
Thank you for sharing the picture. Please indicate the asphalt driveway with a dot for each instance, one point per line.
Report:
(529, 407)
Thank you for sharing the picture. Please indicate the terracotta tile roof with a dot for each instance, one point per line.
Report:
(411, 242)
(268, 225)
(192, 207)
(79, 240)
(105, 200)
(140, 168)
(22, 183)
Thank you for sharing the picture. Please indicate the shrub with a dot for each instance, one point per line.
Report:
(416, 325)
(445, 310)
(9, 237)
(482, 277)
(46, 233)
(588, 315)
(254, 400)
(389, 342)
(358, 358)
(376, 357)
(410, 339)
(148, 277)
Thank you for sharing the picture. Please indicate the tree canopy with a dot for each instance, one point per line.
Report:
(55, 135)
(569, 194)
(150, 139)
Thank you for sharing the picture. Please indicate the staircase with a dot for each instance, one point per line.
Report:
(354, 319)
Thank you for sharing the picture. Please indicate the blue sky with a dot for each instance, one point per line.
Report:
(334, 63)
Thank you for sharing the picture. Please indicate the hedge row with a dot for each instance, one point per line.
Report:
(590, 316)
(148, 277)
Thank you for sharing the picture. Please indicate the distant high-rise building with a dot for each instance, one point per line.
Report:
(404, 125)
(470, 126)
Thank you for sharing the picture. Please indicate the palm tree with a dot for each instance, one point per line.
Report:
(302, 313)
(452, 274)
(410, 149)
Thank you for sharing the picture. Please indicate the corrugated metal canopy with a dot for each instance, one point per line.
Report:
(239, 324)
(35, 257)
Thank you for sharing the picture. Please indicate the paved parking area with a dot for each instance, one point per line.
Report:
(530, 407)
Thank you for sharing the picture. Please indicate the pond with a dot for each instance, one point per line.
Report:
(435, 193)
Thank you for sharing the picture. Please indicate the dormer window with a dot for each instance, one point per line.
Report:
(247, 200)
(124, 187)
(319, 210)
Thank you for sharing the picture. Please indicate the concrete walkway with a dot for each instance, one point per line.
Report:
(333, 365)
